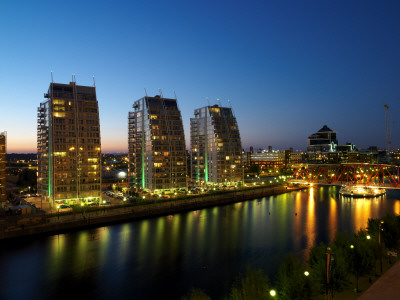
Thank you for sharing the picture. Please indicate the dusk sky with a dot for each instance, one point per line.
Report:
(287, 67)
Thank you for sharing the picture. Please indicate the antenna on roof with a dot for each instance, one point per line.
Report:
(73, 78)
(94, 82)
(208, 101)
(52, 81)
(161, 95)
(145, 91)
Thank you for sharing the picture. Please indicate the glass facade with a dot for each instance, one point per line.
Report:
(157, 152)
(69, 147)
(215, 146)
(3, 162)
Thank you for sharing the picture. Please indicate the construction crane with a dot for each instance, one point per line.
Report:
(388, 130)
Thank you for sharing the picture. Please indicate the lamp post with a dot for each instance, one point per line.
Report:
(307, 289)
(380, 246)
(329, 261)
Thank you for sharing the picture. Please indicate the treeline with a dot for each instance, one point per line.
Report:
(329, 269)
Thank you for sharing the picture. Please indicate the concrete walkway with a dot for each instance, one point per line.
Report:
(387, 287)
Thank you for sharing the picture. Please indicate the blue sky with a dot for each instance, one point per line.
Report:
(288, 67)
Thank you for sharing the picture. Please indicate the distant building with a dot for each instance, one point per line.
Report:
(157, 152)
(296, 157)
(68, 141)
(267, 161)
(363, 157)
(322, 141)
(3, 150)
(216, 146)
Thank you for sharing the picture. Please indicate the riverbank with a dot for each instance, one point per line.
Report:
(63, 223)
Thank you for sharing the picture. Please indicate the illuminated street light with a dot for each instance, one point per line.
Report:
(380, 229)
(306, 273)
(368, 237)
(272, 293)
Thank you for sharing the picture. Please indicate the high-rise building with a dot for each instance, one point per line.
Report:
(157, 152)
(3, 161)
(216, 146)
(322, 141)
(68, 141)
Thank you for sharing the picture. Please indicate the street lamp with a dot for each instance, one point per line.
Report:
(272, 293)
(380, 247)
(329, 261)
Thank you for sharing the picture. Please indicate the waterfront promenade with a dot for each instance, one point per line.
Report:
(60, 223)
(385, 288)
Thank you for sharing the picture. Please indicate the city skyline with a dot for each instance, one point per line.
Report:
(287, 69)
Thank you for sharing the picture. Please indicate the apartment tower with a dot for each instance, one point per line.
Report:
(157, 153)
(3, 161)
(69, 148)
(216, 146)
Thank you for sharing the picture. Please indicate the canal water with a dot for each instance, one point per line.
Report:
(163, 257)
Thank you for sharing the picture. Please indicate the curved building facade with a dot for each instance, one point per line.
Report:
(157, 152)
(216, 149)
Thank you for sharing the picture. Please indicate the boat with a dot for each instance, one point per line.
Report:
(361, 191)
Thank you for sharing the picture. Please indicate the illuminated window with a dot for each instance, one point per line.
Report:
(62, 154)
(58, 101)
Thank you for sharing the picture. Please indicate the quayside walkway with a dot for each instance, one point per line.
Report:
(385, 288)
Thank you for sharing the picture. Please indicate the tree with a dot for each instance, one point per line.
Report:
(27, 177)
(292, 282)
(390, 231)
(252, 286)
(360, 256)
(334, 280)
(196, 294)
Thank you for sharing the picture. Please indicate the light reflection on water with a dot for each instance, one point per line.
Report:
(163, 257)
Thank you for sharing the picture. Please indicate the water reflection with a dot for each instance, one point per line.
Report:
(167, 255)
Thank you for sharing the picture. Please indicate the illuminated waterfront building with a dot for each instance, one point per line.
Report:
(3, 161)
(157, 152)
(68, 145)
(215, 145)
